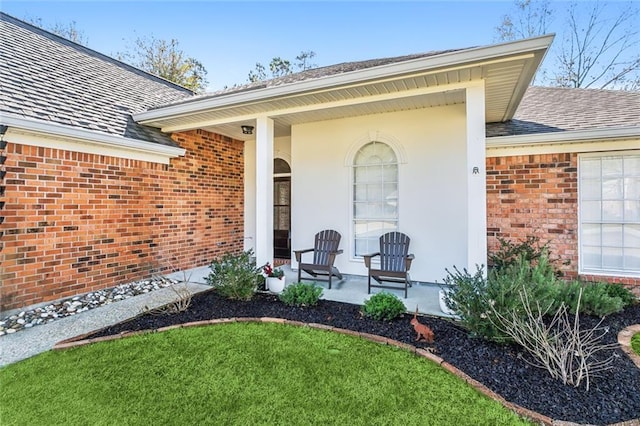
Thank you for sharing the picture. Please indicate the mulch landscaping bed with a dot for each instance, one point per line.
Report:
(613, 397)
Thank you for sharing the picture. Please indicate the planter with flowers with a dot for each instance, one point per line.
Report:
(274, 278)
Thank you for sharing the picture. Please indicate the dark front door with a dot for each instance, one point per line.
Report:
(282, 217)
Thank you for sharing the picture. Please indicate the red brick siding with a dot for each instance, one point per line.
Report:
(79, 222)
(538, 195)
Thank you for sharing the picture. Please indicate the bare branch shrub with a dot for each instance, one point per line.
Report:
(559, 345)
(183, 300)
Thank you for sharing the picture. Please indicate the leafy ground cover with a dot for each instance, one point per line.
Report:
(241, 373)
(635, 343)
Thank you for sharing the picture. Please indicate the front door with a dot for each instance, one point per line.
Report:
(282, 217)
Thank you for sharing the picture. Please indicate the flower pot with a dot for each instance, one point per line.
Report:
(275, 285)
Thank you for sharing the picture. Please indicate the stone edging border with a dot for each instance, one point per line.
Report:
(524, 412)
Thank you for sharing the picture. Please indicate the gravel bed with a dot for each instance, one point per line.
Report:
(74, 305)
(613, 397)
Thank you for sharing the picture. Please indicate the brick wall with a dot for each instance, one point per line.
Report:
(79, 222)
(538, 195)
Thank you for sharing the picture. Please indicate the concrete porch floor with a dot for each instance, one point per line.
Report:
(352, 289)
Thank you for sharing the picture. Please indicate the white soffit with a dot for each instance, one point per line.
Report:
(507, 70)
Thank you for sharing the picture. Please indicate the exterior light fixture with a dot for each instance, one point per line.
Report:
(247, 130)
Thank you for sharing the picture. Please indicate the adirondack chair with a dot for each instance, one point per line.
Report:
(324, 251)
(395, 263)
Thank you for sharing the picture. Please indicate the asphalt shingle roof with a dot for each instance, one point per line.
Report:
(556, 109)
(49, 78)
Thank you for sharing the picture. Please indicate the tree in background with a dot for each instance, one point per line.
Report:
(280, 67)
(594, 50)
(165, 59)
(69, 30)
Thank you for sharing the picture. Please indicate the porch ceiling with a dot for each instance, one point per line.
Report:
(506, 69)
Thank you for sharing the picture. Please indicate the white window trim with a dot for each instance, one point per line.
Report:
(581, 269)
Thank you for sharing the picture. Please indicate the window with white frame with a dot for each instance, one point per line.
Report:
(375, 195)
(609, 188)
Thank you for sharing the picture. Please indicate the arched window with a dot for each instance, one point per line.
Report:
(375, 195)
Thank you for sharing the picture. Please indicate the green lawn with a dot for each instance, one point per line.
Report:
(243, 373)
(635, 343)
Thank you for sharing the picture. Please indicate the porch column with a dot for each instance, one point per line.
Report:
(476, 177)
(264, 190)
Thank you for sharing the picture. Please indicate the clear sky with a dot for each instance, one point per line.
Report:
(228, 38)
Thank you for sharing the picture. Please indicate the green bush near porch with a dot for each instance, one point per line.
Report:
(635, 343)
(239, 374)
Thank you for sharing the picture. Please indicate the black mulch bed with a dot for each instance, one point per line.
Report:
(613, 397)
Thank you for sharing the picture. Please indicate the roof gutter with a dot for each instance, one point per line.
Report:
(445, 60)
(84, 136)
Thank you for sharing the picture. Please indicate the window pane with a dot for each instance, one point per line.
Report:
(591, 235)
(632, 165)
(612, 235)
(611, 167)
(612, 258)
(632, 236)
(632, 211)
(590, 189)
(612, 189)
(591, 211)
(591, 258)
(612, 210)
(632, 188)
(632, 260)
(590, 168)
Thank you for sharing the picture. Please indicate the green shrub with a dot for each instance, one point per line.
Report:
(596, 299)
(235, 276)
(619, 290)
(301, 294)
(383, 307)
(478, 300)
(510, 252)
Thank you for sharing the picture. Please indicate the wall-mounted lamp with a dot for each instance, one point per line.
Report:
(3, 130)
(247, 130)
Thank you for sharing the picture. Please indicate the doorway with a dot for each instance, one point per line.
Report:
(281, 209)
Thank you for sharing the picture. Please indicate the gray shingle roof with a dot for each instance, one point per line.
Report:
(555, 109)
(49, 78)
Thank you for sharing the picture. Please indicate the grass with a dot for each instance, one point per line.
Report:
(635, 343)
(240, 374)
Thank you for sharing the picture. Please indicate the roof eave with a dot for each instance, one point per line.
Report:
(565, 136)
(92, 137)
(472, 56)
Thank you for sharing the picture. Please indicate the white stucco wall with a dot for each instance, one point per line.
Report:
(432, 201)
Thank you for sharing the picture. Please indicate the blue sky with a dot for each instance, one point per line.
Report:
(228, 38)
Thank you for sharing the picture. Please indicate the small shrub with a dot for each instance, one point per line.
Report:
(595, 300)
(235, 276)
(619, 290)
(476, 299)
(510, 252)
(383, 307)
(301, 294)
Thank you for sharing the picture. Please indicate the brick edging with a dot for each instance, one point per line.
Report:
(521, 411)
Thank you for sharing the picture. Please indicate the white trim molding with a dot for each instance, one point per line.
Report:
(27, 131)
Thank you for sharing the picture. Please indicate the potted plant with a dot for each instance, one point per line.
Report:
(274, 278)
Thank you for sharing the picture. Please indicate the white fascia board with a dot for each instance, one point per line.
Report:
(568, 141)
(23, 130)
(473, 56)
